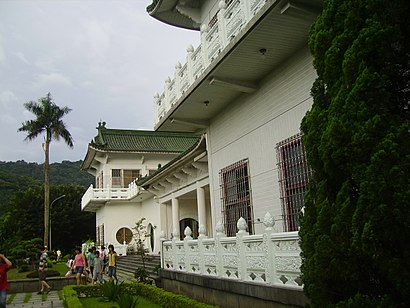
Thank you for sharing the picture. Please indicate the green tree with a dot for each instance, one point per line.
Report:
(48, 121)
(356, 223)
(22, 220)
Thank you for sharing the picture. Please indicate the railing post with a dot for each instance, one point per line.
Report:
(162, 239)
(187, 258)
(222, 24)
(219, 248)
(241, 224)
(270, 265)
(190, 71)
(108, 191)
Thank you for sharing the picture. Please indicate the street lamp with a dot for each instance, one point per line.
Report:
(51, 206)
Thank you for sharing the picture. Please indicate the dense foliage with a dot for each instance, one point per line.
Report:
(23, 219)
(22, 175)
(356, 225)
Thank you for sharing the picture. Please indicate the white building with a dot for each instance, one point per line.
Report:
(240, 189)
(117, 158)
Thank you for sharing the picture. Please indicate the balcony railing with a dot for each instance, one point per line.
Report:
(270, 258)
(109, 193)
(215, 36)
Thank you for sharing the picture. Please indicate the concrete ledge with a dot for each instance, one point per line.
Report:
(231, 293)
(32, 285)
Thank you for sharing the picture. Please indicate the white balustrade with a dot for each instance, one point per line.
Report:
(109, 193)
(269, 258)
(215, 36)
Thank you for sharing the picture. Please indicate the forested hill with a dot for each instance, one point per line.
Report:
(22, 175)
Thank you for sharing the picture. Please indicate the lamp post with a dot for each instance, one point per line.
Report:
(51, 206)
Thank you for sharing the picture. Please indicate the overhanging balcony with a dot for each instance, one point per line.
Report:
(94, 198)
(244, 42)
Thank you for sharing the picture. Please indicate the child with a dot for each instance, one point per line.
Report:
(98, 268)
(5, 266)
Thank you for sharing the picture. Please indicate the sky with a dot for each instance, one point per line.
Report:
(104, 59)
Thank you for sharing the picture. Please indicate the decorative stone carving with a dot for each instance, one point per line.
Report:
(268, 222)
(241, 225)
(202, 231)
(220, 229)
(188, 233)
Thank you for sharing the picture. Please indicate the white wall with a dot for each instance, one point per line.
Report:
(252, 126)
(117, 215)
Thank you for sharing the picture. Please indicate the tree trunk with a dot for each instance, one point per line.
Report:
(46, 148)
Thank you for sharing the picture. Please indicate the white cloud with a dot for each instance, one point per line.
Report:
(48, 81)
(22, 57)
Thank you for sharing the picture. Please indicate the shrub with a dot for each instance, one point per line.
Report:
(71, 297)
(111, 290)
(127, 301)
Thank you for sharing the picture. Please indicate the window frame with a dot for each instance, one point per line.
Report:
(236, 196)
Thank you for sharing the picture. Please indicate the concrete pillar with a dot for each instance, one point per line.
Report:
(200, 196)
(175, 218)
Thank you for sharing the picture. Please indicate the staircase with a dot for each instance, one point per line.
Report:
(130, 263)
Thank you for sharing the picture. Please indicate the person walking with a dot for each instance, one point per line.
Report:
(79, 265)
(112, 263)
(5, 266)
(42, 271)
(98, 268)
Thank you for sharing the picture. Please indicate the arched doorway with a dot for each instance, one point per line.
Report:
(188, 222)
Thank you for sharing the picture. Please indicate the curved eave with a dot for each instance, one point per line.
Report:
(146, 182)
(165, 11)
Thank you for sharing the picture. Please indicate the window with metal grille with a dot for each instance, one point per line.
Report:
(116, 177)
(236, 196)
(293, 177)
(129, 176)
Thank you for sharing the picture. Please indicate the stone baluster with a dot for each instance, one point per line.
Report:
(167, 95)
(204, 46)
(218, 248)
(162, 238)
(190, 64)
(270, 266)
(108, 191)
(187, 259)
(178, 86)
(241, 225)
(222, 24)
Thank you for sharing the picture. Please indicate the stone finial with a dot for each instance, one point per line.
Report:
(222, 5)
(202, 231)
(220, 229)
(175, 234)
(190, 48)
(188, 233)
(204, 28)
(178, 66)
(268, 221)
(241, 225)
(162, 235)
(168, 80)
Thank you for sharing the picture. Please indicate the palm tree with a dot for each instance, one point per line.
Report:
(48, 121)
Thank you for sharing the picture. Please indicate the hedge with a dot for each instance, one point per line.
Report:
(156, 295)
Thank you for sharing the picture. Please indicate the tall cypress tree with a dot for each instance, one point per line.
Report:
(355, 230)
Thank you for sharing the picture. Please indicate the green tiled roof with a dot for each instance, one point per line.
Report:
(121, 140)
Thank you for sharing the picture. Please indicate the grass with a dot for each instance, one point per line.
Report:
(14, 274)
(10, 299)
(99, 302)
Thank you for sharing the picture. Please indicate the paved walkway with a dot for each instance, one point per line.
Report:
(37, 301)
(52, 299)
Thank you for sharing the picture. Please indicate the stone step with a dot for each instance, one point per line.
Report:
(131, 263)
